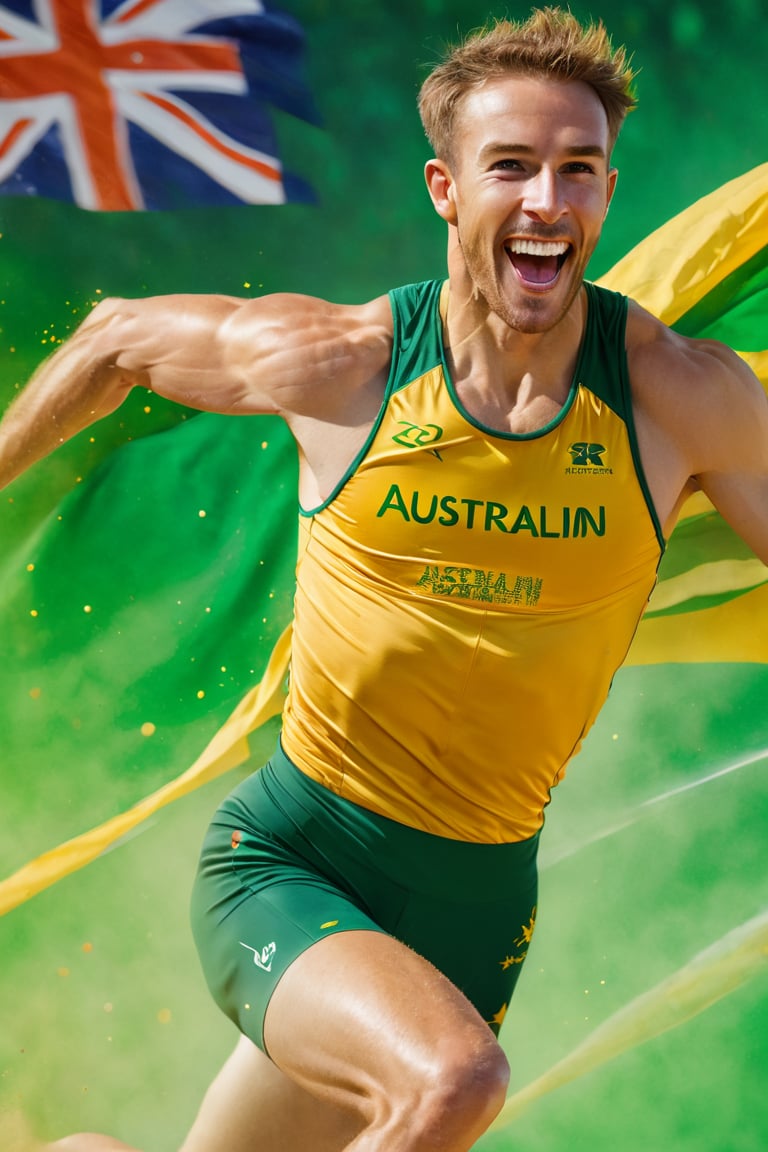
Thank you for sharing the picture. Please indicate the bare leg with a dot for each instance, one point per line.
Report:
(374, 1051)
(368, 1026)
(251, 1106)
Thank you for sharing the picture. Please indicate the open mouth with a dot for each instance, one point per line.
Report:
(537, 262)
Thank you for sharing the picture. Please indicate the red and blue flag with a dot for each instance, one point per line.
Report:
(148, 104)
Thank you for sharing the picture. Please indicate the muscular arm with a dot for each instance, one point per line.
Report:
(291, 355)
(702, 420)
(732, 468)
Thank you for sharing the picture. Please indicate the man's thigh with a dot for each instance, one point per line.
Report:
(287, 864)
(371, 1028)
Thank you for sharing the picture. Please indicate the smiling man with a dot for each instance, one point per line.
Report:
(489, 468)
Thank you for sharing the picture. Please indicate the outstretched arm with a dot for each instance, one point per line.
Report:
(702, 417)
(733, 465)
(284, 354)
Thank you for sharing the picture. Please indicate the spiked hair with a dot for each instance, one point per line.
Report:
(551, 44)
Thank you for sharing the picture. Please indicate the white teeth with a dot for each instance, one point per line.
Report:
(538, 247)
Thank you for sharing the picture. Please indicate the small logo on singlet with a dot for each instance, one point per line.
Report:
(418, 436)
(587, 460)
(264, 958)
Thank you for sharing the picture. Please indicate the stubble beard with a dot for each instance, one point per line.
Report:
(534, 316)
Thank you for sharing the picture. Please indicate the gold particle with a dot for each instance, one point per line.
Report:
(63, 971)
(202, 513)
(246, 283)
(30, 567)
(147, 408)
(148, 728)
(200, 694)
(164, 1015)
(265, 443)
(615, 736)
(33, 612)
(87, 608)
(247, 1007)
(35, 693)
(87, 947)
(207, 609)
(223, 668)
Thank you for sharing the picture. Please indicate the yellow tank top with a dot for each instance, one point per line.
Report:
(465, 596)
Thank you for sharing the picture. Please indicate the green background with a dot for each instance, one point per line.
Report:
(106, 1024)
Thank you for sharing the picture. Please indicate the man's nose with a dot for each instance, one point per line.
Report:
(543, 196)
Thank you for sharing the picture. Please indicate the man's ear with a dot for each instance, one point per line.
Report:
(441, 189)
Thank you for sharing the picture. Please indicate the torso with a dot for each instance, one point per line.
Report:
(328, 445)
(482, 573)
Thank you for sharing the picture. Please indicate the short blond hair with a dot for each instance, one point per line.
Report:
(551, 44)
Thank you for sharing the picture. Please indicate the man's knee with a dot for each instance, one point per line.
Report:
(461, 1094)
(471, 1090)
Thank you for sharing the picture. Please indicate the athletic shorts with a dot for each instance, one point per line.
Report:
(286, 862)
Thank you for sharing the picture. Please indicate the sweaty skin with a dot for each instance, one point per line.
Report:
(372, 1048)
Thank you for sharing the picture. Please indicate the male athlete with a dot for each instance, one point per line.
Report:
(489, 468)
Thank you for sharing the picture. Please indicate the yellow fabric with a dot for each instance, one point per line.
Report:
(665, 273)
(227, 749)
(679, 263)
(458, 581)
(734, 631)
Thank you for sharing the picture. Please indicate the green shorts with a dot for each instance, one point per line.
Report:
(286, 862)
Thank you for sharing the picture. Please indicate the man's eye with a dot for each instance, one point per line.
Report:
(508, 165)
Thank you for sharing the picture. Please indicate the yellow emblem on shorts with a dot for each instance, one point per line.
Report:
(498, 1018)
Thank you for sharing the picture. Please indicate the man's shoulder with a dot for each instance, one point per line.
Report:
(659, 357)
(692, 392)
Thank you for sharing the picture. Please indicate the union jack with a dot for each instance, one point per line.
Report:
(131, 104)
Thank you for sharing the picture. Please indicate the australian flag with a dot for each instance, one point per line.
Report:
(148, 104)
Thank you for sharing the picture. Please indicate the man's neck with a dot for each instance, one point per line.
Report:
(510, 380)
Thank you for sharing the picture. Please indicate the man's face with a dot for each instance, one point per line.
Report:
(528, 191)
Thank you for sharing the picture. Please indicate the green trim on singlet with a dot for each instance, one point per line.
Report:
(418, 343)
(605, 343)
(601, 365)
(418, 347)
